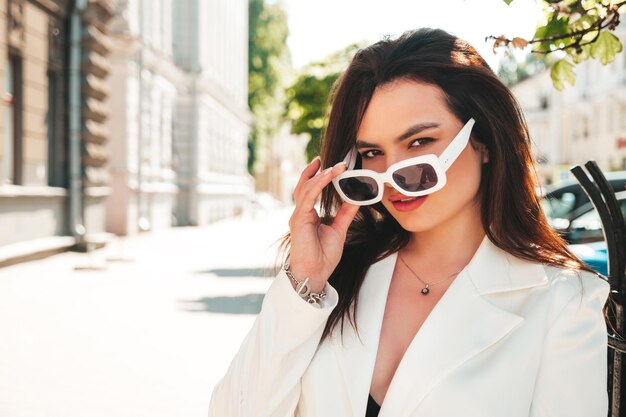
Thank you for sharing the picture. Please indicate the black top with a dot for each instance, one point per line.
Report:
(372, 407)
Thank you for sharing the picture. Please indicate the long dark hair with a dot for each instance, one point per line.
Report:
(509, 203)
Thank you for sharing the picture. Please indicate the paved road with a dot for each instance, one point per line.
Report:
(145, 327)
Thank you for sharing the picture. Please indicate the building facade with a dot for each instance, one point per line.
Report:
(147, 83)
(53, 153)
(211, 151)
(180, 120)
(284, 162)
(583, 122)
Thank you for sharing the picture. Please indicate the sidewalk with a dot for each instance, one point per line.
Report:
(144, 327)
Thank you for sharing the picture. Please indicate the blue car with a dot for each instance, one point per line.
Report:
(581, 227)
(593, 254)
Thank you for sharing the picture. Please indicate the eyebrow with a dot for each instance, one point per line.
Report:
(413, 130)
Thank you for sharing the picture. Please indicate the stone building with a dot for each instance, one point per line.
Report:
(284, 161)
(53, 152)
(180, 119)
(583, 122)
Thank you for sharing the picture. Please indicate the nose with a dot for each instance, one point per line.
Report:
(389, 162)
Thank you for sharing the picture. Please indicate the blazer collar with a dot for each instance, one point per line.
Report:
(493, 270)
(462, 324)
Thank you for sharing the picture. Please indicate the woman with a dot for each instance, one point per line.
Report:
(430, 284)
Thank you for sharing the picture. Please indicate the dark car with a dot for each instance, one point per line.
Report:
(571, 213)
(585, 224)
(568, 201)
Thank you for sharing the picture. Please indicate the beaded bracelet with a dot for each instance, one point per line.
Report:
(302, 287)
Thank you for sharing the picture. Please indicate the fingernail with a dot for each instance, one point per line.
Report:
(314, 159)
(340, 164)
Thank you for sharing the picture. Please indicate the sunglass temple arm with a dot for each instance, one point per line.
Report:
(456, 147)
(350, 159)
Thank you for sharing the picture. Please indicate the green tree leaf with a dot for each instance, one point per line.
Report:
(584, 22)
(555, 27)
(589, 4)
(577, 57)
(583, 29)
(268, 64)
(562, 72)
(606, 47)
(307, 105)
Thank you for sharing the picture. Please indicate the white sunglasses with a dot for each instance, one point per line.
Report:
(412, 177)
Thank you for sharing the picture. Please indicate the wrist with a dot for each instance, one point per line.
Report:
(315, 284)
(311, 292)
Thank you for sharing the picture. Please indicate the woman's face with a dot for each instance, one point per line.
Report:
(381, 141)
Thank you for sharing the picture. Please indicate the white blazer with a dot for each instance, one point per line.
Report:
(509, 338)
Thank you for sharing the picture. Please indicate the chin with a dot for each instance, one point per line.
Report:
(415, 225)
(413, 221)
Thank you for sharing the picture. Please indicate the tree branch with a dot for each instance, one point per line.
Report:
(600, 24)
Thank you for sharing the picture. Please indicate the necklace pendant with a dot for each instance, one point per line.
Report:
(425, 290)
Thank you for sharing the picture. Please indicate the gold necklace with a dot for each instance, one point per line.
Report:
(426, 290)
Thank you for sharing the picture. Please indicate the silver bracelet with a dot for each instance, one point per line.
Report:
(302, 287)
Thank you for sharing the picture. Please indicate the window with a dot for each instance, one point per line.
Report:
(57, 115)
(15, 114)
(588, 226)
(55, 121)
(556, 207)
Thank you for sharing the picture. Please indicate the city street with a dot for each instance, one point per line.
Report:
(143, 327)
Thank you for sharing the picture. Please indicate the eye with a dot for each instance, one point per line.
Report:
(370, 154)
(421, 142)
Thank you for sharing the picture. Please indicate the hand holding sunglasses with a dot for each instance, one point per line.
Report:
(413, 177)
(316, 248)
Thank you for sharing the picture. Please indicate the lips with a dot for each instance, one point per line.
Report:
(400, 197)
(403, 203)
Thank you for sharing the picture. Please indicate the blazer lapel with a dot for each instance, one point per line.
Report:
(357, 356)
(462, 324)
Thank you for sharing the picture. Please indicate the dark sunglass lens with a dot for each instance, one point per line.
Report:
(359, 188)
(416, 177)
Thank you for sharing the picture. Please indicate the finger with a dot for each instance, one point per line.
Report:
(344, 218)
(308, 172)
(313, 188)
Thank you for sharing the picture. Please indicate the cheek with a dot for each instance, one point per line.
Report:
(465, 173)
(463, 182)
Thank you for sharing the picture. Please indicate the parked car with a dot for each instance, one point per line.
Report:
(584, 224)
(571, 213)
(567, 201)
(585, 234)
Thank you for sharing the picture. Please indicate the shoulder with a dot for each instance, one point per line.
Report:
(567, 284)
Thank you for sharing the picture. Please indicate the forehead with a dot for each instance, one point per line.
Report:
(400, 104)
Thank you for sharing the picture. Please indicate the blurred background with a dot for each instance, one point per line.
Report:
(148, 155)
